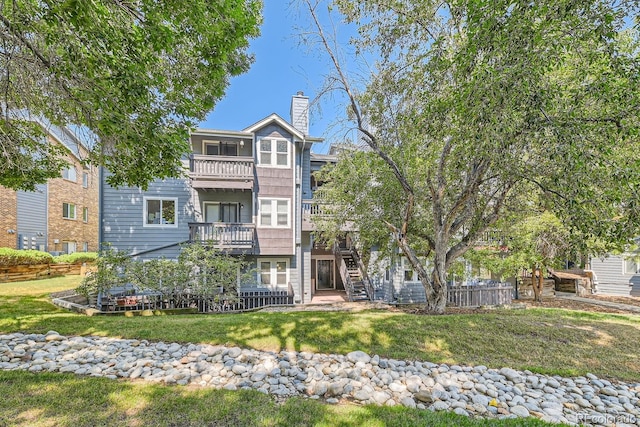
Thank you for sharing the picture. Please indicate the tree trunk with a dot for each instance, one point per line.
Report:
(534, 282)
(438, 302)
(537, 283)
(540, 285)
(435, 284)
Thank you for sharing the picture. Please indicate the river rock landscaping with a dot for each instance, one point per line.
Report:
(472, 391)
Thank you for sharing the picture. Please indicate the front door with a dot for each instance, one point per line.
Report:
(324, 274)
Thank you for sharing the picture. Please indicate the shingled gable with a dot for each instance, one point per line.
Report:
(274, 118)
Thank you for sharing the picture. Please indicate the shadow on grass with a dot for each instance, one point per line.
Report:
(66, 400)
(545, 341)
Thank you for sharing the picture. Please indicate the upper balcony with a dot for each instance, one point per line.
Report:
(316, 209)
(221, 172)
(310, 208)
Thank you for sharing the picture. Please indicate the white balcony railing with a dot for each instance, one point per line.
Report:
(223, 235)
(221, 167)
(310, 208)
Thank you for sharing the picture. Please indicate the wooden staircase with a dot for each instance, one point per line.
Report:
(354, 275)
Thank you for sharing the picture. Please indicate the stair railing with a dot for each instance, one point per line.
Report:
(344, 273)
(368, 286)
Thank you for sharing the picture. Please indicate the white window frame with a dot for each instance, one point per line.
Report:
(273, 272)
(85, 179)
(85, 247)
(406, 267)
(274, 212)
(71, 247)
(66, 212)
(66, 174)
(145, 214)
(85, 214)
(633, 259)
(273, 162)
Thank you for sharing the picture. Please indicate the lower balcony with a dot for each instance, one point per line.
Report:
(232, 237)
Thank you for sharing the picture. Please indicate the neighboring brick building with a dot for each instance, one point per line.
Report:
(61, 216)
(73, 210)
(8, 220)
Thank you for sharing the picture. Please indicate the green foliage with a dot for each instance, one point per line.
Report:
(212, 270)
(476, 108)
(12, 257)
(111, 267)
(535, 240)
(76, 258)
(199, 270)
(131, 77)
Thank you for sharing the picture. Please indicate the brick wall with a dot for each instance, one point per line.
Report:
(74, 230)
(8, 219)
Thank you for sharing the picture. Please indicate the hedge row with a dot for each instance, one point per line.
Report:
(75, 258)
(12, 257)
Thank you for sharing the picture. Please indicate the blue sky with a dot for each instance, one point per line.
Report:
(282, 67)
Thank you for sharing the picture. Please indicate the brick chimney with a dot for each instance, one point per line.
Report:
(300, 112)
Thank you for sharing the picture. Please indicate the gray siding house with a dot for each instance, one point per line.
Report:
(617, 274)
(248, 191)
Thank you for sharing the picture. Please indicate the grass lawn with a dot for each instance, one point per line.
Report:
(546, 341)
(40, 287)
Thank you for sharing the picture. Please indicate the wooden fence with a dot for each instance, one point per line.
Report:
(479, 295)
(19, 273)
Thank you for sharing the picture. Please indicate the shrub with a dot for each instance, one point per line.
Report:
(76, 258)
(11, 257)
(111, 268)
(199, 270)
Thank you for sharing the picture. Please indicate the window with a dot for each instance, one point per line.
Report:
(274, 152)
(69, 173)
(221, 212)
(68, 247)
(85, 179)
(85, 214)
(218, 148)
(408, 274)
(273, 272)
(632, 265)
(274, 212)
(160, 212)
(85, 247)
(69, 211)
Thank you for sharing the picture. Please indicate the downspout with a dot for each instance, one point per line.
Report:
(298, 238)
(100, 208)
(46, 215)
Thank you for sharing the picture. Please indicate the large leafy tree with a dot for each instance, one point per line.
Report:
(474, 104)
(132, 76)
(537, 242)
